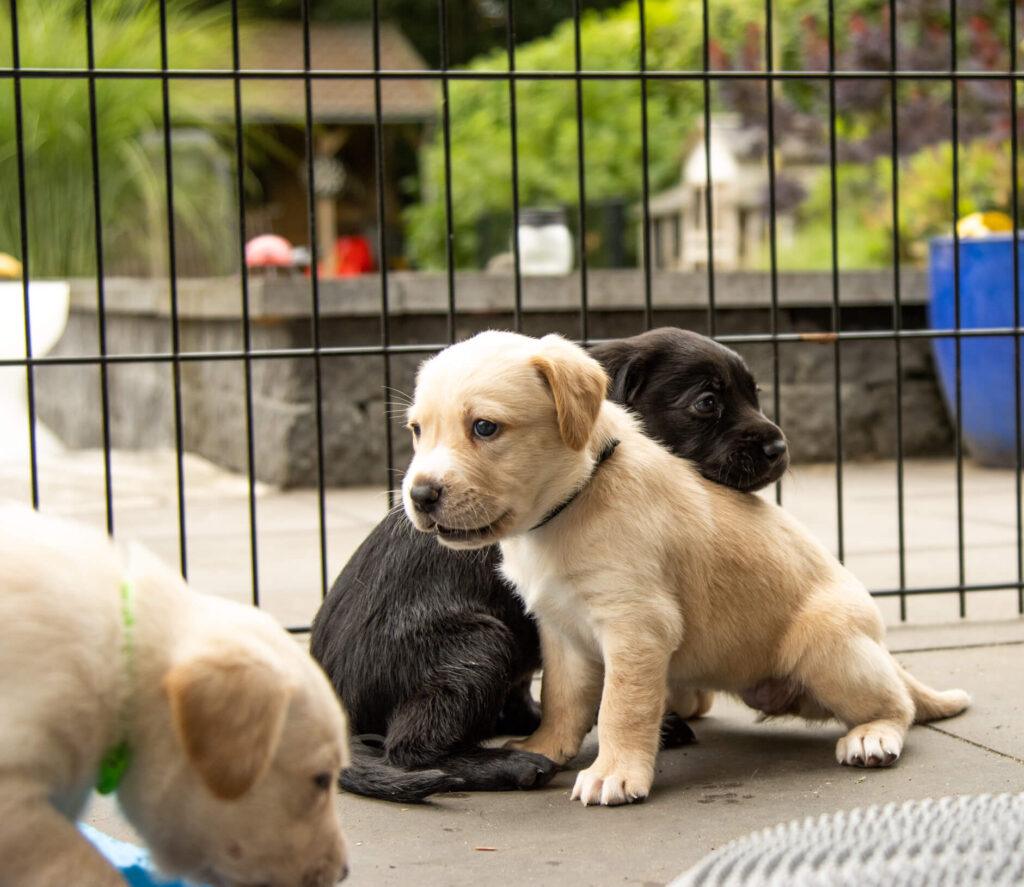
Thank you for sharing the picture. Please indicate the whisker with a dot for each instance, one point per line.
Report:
(398, 394)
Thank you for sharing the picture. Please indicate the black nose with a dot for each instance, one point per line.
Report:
(774, 448)
(425, 496)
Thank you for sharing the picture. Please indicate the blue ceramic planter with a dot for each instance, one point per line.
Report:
(987, 363)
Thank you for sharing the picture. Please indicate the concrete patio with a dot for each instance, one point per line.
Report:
(741, 776)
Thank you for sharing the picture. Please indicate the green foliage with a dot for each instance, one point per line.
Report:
(57, 136)
(479, 140)
(926, 189)
(546, 125)
(925, 205)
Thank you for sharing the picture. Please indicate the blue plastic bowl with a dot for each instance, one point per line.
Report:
(987, 362)
(132, 861)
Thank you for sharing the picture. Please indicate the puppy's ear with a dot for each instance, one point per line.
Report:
(229, 708)
(578, 383)
(624, 365)
(628, 379)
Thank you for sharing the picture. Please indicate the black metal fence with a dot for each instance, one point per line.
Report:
(18, 75)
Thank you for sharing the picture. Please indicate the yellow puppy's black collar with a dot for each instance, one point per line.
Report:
(603, 456)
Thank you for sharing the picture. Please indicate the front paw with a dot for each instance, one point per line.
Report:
(611, 787)
(553, 751)
(876, 744)
(527, 770)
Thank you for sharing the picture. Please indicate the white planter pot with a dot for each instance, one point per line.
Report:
(48, 316)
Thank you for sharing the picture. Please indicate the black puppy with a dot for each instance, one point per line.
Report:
(430, 650)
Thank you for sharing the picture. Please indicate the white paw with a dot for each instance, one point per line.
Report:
(593, 788)
(870, 745)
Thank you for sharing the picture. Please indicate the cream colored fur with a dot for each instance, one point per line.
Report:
(654, 586)
(231, 724)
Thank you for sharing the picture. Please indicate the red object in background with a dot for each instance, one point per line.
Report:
(353, 255)
(268, 251)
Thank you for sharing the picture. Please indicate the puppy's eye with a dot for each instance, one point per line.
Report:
(706, 404)
(415, 429)
(484, 428)
(323, 781)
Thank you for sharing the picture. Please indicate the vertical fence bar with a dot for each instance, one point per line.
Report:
(513, 129)
(708, 202)
(897, 310)
(250, 442)
(19, 138)
(769, 41)
(446, 132)
(382, 248)
(310, 148)
(101, 302)
(645, 171)
(581, 174)
(172, 279)
(836, 310)
(958, 343)
(1014, 211)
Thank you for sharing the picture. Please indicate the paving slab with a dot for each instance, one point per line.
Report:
(740, 777)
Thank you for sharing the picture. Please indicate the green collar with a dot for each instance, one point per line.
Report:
(115, 761)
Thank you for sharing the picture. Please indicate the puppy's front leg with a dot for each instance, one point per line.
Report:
(628, 725)
(569, 692)
(40, 848)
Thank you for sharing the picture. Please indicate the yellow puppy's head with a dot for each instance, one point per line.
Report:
(264, 738)
(237, 742)
(501, 425)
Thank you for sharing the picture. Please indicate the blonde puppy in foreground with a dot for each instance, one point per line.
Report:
(221, 736)
(651, 585)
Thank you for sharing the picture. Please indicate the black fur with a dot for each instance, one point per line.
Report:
(430, 650)
(665, 376)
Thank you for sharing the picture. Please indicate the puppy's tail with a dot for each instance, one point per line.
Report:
(929, 704)
(370, 775)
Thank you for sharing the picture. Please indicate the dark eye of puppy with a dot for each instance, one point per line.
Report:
(415, 429)
(484, 428)
(706, 404)
(323, 781)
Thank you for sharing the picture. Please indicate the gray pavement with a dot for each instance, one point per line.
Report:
(741, 776)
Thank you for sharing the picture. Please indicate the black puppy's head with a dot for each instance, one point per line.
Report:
(699, 399)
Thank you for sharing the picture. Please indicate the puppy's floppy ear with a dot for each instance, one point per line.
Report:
(628, 373)
(578, 383)
(229, 708)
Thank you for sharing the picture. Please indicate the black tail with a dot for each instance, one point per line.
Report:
(370, 775)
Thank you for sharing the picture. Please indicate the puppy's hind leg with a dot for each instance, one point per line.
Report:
(857, 680)
(520, 715)
(688, 703)
(458, 704)
(683, 703)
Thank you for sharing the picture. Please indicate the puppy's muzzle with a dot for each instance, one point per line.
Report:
(426, 497)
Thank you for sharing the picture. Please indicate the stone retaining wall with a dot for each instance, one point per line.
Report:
(355, 406)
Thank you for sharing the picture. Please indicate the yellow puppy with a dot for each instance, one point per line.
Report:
(650, 584)
(221, 736)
